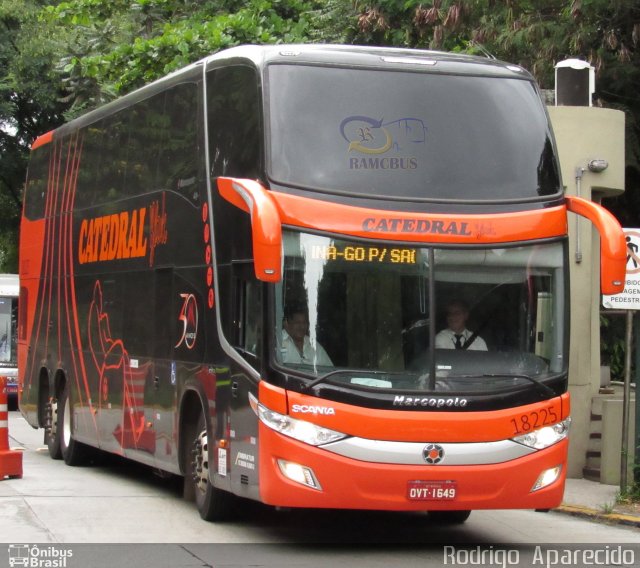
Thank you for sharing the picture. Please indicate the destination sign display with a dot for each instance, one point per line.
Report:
(364, 254)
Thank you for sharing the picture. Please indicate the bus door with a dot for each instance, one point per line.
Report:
(248, 342)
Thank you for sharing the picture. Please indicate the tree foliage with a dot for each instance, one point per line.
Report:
(29, 105)
(118, 45)
(535, 34)
(60, 59)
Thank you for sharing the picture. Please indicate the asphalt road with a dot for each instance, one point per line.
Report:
(116, 513)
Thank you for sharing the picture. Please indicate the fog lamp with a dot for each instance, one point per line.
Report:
(299, 473)
(547, 477)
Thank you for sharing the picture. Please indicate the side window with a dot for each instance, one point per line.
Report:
(178, 165)
(112, 166)
(234, 122)
(251, 336)
(152, 145)
(146, 128)
(93, 157)
(248, 331)
(36, 187)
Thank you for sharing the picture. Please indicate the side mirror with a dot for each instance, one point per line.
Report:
(266, 227)
(613, 246)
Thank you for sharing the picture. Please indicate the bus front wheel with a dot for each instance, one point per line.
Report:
(213, 504)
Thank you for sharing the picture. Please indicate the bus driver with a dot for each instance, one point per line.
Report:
(296, 344)
(457, 336)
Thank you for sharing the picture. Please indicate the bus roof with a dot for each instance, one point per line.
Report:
(367, 56)
(390, 58)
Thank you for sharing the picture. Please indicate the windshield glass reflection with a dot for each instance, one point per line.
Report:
(396, 317)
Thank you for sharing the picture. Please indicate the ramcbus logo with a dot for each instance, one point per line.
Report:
(112, 237)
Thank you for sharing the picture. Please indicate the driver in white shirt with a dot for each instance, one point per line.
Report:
(457, 336)
(296, 345)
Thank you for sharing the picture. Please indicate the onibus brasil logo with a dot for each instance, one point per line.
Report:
(34, 556)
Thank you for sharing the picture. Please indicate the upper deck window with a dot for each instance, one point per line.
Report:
(409, 135)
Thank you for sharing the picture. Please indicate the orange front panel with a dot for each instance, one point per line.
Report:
(422, 227)
(422, 426)
(350, 484)
(274, 398)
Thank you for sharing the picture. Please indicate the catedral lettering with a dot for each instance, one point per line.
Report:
(113, 237)
(389, 332)
(384, 225)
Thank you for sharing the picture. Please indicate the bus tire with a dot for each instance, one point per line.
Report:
(449, 517)
(52, 432)
(213, 504)
(73, 452)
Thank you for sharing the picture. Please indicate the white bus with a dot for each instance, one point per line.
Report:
(9, 290)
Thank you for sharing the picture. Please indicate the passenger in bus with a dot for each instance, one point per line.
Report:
(457, 336)
(296, 345)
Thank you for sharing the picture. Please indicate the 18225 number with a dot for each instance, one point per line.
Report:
(534, 420)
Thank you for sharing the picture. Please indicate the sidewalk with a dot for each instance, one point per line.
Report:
(597, 501)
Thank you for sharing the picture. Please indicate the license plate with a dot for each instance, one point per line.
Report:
(444, 490)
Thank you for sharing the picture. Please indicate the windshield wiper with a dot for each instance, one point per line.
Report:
(349, 371)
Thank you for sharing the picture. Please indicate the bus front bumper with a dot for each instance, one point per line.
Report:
(345, 483)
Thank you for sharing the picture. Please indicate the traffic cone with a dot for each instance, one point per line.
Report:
(10, 460)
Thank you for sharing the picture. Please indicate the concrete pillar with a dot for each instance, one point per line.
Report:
(584, 134)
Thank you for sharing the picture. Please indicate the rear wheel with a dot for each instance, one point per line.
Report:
(213, 504)
(52, 433)
(449, 517)
(73, 452)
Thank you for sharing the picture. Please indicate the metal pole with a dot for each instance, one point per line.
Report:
(578, 240)
(625, 404)
(636, 337)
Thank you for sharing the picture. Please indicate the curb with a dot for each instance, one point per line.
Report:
(594, 515)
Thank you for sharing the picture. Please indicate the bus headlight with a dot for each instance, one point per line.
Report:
(545, 437)
(298, 429)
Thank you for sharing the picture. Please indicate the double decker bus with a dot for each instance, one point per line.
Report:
(239, 273)
(9, 290)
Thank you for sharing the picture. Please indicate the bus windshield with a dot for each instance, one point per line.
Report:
(387, 316)
(409, 136)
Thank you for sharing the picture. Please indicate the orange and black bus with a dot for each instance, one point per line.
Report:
(242, 273)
